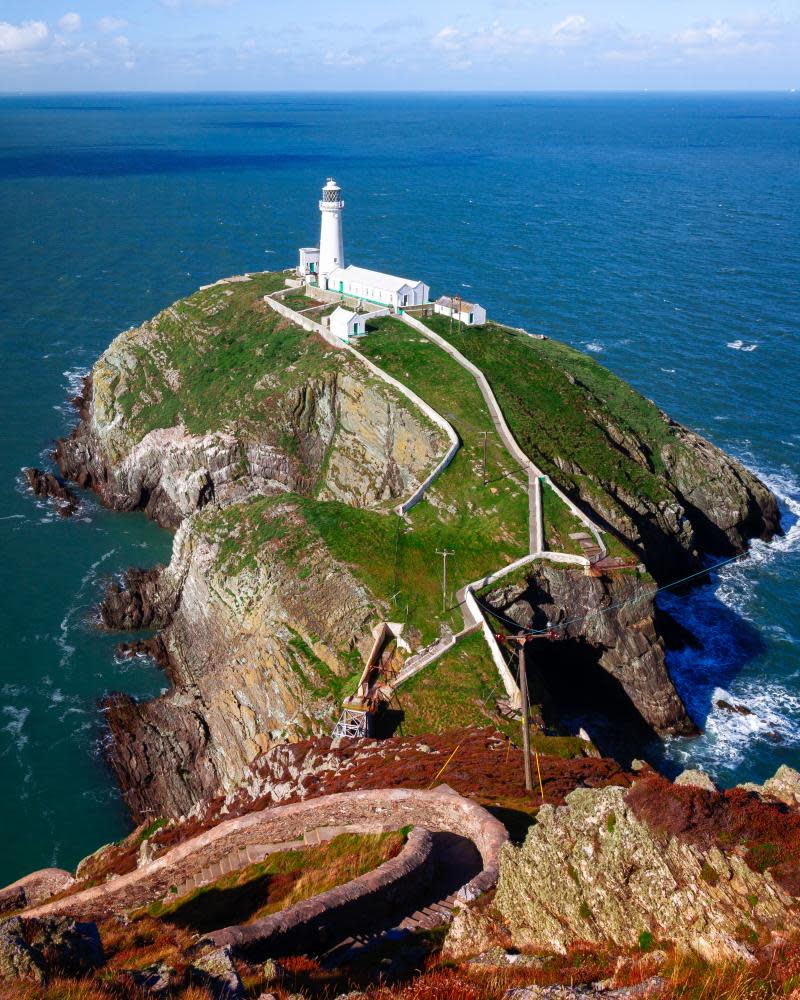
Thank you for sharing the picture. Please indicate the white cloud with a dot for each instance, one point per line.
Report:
(70, 22)
(111, 24)
(571, 28)
(449, 39)
(344, 59)
(121, 42)
(728, 36)
(23, 37)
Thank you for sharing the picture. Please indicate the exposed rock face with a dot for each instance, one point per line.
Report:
(618, 646)
(344, 427)
(48, 486)
(709, 503)
(253, 656)
(33, 948)
(134, 602)
(591, 871)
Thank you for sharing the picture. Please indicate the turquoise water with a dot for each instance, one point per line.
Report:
(660, 232)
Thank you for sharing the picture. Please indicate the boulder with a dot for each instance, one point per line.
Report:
(31, 948)
(592, 871)
(697, 779)
(215, 971)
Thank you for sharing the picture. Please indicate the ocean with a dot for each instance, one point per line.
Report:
(659, 232)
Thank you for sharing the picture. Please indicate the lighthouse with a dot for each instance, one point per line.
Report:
(331, 246)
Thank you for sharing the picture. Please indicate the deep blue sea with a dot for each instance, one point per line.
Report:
(661, 233)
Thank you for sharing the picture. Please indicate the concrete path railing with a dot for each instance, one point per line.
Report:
(473, 616)
(430, 413)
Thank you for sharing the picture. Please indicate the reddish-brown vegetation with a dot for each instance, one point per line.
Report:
(767, 833)
(486, 767)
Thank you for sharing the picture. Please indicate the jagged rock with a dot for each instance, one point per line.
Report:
(697, 779)
(591, 871)
(618, 649)
(48, 486)
(784, 785)
(650, 988)
(245, 649)
(726, 706)
(471, 932)
(134, 602)
(154, 979)
(17, 959)
(31, 948)
(215, 970)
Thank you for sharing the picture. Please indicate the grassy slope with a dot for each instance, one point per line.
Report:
(231, 356)
(552, 416)
(280, 881)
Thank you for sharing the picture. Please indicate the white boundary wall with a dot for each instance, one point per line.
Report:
(437, 418)
(500, 421)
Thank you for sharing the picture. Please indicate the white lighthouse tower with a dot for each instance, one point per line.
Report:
(331, 245)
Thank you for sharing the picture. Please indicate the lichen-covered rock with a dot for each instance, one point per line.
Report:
(33, 948)
(591, 871)
(784, 785)
(215, 970)
(697, 779)
(472, 932)
(17, 959)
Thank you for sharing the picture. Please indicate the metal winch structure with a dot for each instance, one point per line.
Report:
(375, 687)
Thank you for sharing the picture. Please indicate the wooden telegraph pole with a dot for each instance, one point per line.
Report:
(526, 721)
(444, 553)
(485, 476)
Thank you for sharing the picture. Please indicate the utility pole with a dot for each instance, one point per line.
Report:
(444, 553)
(526, 736)
(485, 477)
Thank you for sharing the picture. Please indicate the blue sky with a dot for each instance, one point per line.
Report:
(417, 45)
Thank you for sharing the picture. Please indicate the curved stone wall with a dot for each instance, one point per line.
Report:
(377, 810)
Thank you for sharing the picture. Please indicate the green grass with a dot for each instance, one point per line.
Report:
(231, 356)
(560, 523)
(459, 689)
(280, 881)
(558, 401)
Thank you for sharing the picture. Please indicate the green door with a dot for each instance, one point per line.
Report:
(341, 286)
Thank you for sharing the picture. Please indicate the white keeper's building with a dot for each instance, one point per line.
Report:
(324, 266)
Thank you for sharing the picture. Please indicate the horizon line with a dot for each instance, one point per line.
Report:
(641, 91)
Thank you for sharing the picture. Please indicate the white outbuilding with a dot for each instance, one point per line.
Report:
(378, 288)
(345, 324)
(468, 313)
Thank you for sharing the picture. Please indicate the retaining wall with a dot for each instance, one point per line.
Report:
(358, 905)
(381, 810)
(428, 410)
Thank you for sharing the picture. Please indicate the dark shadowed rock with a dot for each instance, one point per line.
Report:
(133, 602)
(50, 487)
(32, 948)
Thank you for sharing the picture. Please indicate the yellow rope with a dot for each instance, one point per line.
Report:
(443, 767)
(508, 751)
(539, 772)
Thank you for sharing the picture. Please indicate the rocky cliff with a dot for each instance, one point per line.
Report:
(668, 493)
(262, 630)
(279, 459)
(218, 399)
(610, 650)
(705, 871)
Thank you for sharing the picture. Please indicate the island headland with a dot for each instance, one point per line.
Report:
(393, 518)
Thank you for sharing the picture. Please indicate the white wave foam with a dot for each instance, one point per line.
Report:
(595, 347)
(75, 377)
(739, 345)
(17, 718)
